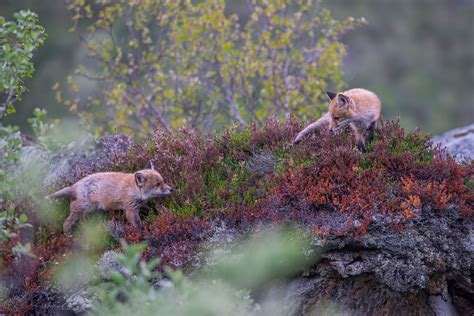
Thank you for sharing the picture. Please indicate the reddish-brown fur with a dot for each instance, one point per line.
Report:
(111, 191)
(358, 108)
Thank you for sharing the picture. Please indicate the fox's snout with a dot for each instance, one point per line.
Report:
(166, 189)
(335, 129)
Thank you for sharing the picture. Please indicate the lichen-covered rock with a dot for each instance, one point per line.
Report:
(51, 301)
(424, 269)
(80, 302)
(220, 243)
(109, 262)
(100, 155)
(459, 142)
(80, 158)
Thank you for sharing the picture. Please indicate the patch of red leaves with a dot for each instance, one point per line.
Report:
(175, 240)
(31, 274)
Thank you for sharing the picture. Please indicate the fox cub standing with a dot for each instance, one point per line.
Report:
(358, 108)
(111, 191)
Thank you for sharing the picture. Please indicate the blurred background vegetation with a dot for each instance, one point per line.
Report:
(417, 55)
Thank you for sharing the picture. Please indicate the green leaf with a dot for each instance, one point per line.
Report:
(23, 218)
(116, 277)
(10, 108)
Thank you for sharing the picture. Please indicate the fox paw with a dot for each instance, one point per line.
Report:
(296, 141)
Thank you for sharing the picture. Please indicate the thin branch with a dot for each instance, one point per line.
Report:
(154, 111)
(10, 99)
(229, 95)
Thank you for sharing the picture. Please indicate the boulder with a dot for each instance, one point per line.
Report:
(425, 268)
(459, 142)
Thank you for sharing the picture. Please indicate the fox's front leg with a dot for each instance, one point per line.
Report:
(360, 142)
(133, 217)
(359, 136)
(321, 123)
(370, 133)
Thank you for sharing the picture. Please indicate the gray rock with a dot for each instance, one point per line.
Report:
(51, 301)
(424, 269)
(80, 302)
(220, 244)
(75, 161)
(442, 307)
(96, 156)
(261, 163)
(459, 142)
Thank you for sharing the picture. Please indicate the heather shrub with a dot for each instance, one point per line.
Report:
(246, 175)
(399, 176)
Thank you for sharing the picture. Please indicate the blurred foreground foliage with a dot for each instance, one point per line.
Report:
(223, 288)
(169, 64)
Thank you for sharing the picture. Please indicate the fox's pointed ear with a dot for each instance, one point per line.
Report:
(342, 100)
(140, 179)
(331, 95)
(149, 165)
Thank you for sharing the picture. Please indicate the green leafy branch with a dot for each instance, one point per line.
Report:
(18, 40)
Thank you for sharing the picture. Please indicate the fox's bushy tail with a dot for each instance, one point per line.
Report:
(67, 193)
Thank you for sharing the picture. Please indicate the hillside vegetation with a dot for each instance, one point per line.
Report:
(245, 178)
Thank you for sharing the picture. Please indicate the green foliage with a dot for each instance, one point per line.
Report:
(415, 143)
(9, 223)
(398, 38)
(21, 177)
(469, 183)
(157, 63)
(133, 282)
(43, 130)
(273, 255)
(10, 144)
(18, 40)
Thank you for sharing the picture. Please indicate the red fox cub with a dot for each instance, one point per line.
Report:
(111, 191)
(358, 108)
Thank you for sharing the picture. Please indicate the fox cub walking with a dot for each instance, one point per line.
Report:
(358, 108)
(111, 191)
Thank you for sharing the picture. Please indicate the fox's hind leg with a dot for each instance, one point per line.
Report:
(76, 211)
